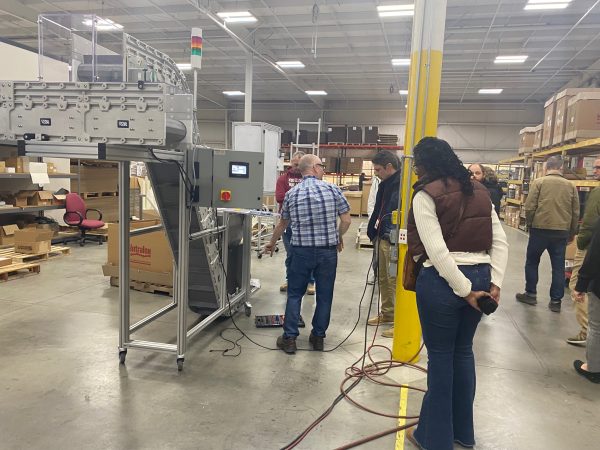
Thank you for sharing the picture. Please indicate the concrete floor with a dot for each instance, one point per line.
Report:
(62, 386)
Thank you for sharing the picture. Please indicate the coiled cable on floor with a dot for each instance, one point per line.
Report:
(372, 371)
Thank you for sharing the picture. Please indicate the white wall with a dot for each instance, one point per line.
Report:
(20, 64)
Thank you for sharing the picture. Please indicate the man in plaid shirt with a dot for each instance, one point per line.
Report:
(311, 208)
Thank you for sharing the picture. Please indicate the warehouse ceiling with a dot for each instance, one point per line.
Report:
(347, 48)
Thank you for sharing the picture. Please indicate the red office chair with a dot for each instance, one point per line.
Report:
(76, 216)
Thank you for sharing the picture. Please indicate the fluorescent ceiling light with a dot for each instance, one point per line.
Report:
(490, 91)
(290, 64)
(401, 62)
(403, 92)
(541, 6)
(316, 92)
(103, 24)
(237, 17)
(233, 93)
(184, 66)
(517, 59)
(396, 10)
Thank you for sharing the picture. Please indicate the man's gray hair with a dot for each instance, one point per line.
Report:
(307, 162)
(298, 154)
(554, 163)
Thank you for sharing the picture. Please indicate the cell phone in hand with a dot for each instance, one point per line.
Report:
(487, 304)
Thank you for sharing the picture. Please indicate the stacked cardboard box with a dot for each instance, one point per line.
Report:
(102, 178)
(338, 134)
(371, 135)
(512, 216)
(549, 115)
(560, 120)
(526, 140)
(151, 259)
(20, 163)
(537, 139)
(583, 116)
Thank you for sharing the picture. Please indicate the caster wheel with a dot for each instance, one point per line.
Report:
(179, 364)
(81, 244)
(99, 242)
(276, 249)
(248, 310)
(260, 256)
(122, 355)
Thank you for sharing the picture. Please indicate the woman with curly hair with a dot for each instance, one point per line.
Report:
(455, 232)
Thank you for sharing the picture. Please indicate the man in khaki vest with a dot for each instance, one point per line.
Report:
(590, 217)
(552, 214)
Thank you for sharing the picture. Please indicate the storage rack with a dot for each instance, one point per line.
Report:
(589, 147)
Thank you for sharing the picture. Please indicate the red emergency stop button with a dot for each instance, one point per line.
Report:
(225, 196)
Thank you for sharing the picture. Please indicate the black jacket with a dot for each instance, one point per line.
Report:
(589, 274)
(385, 202)
(495, 193)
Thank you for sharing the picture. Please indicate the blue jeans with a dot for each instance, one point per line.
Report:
(287, 243)
(449, 325)
(556, 246)
(322, 262)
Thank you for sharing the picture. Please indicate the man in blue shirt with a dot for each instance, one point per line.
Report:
(311, 208)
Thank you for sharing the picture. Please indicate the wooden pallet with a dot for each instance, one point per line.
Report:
(14, 271)
(55, 252)
(87, 195)
(149, 288)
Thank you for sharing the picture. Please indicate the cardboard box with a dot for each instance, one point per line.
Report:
(20, 163)
(109, 206)
(337, 134)
(351, 165)
(355, 135)
(549, 115)
(7, 234)
(331, 164)
(526, 139)
(371, 135)
(95, 179)
(51, 168)
(59, 199)
(149, 252)
(561, 119)
(583, 116)
(143, 276)
(537, 139)
(21, 198)
(33, 240)
(5, 262)
(2, 166)
(40, 198)
(355, 201)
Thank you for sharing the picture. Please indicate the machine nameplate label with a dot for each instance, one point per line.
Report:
(45, 121)
(122, 123)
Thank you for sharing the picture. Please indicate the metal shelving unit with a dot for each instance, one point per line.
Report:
(29, 209)
(28, 175)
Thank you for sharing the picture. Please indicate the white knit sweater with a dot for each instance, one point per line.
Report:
(446, 262)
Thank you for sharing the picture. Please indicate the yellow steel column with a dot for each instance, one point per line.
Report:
(421, 120)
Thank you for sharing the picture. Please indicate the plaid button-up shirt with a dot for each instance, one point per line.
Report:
(312, 207)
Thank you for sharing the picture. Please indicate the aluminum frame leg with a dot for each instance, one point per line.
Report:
(181, 291)
(124, 299)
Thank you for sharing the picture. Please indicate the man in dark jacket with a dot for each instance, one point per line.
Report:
(386, 166)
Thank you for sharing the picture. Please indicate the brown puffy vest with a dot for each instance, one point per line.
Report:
(473, 233)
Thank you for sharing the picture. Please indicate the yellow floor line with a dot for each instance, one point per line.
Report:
(402, 412)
